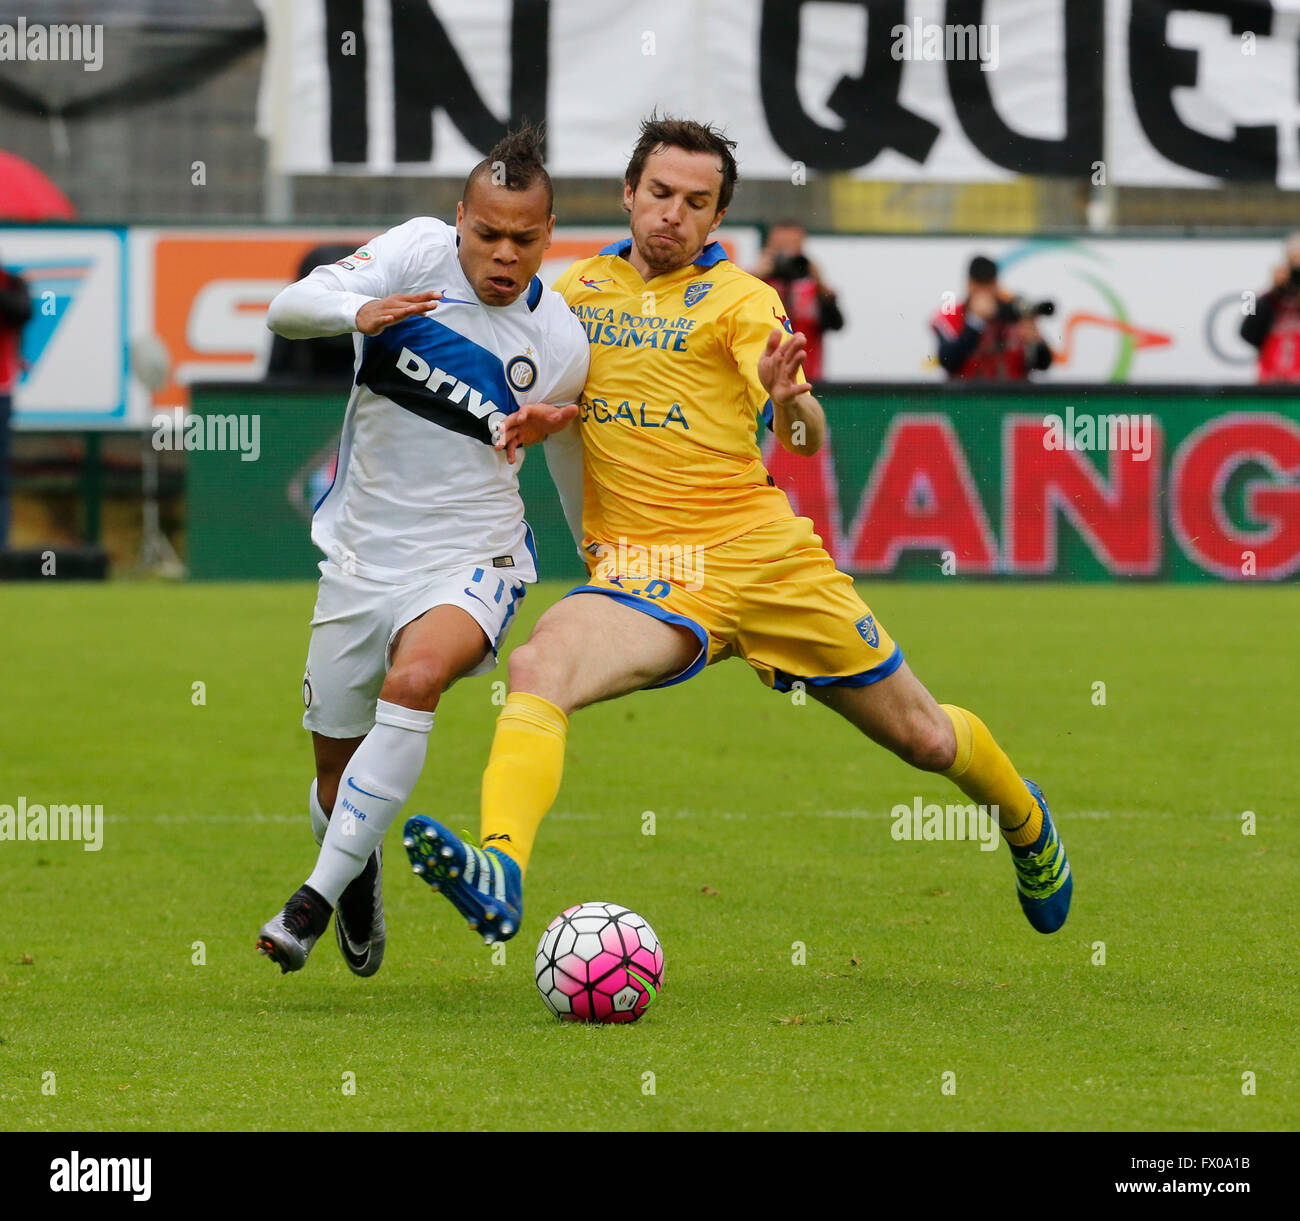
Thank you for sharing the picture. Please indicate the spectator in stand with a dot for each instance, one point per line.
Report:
(992, 335)
(1274, 326)
(811, 303)
(15, 311)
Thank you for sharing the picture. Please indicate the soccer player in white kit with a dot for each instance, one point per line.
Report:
(427, 550)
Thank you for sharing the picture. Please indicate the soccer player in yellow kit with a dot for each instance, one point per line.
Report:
(693, 554)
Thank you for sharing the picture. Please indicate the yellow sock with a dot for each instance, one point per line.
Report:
(983, 771)
(523, 774)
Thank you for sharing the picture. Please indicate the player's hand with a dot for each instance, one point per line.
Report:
(533, 422)
(374, 316)
(778, 367)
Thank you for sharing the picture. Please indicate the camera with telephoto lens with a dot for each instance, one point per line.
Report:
(1017, 309)
(789, 267)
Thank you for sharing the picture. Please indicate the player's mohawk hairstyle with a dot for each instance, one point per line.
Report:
(666, 131)
(515, 162)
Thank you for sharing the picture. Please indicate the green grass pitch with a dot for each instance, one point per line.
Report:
(772, 832)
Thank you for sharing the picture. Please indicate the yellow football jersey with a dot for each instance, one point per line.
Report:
(669, 416)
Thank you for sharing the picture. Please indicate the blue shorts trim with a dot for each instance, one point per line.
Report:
(667, 616)
(531, 545)
(782, 681)
(516, 596)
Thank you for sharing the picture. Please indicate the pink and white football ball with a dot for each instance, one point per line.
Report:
(599, 962)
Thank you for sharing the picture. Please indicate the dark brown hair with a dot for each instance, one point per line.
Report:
(660, 131)
(519, 154)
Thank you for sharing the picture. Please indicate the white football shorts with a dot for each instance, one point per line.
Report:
(356, 620)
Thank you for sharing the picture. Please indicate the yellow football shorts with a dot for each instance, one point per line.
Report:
(772, 596)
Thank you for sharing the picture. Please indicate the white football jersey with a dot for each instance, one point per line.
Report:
(419, 486)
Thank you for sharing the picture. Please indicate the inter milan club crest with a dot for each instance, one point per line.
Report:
(694, 292)
(521, 372)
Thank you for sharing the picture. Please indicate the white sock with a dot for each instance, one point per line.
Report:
(319, 819)
(375, 785)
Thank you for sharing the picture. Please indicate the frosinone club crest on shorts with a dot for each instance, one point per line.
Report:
(867, 630)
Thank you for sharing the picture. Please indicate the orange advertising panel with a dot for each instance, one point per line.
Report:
(211, 292)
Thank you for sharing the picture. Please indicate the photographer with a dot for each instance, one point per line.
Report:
(1274, 327)
(992, 335)
(813, 307)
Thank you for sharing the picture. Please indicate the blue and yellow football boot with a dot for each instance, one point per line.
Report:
(1043, 882)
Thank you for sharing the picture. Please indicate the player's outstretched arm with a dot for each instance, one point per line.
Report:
(797, 417)
(563, 451)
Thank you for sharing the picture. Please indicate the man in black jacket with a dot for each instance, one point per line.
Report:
(1273, 326)
(15, 311)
